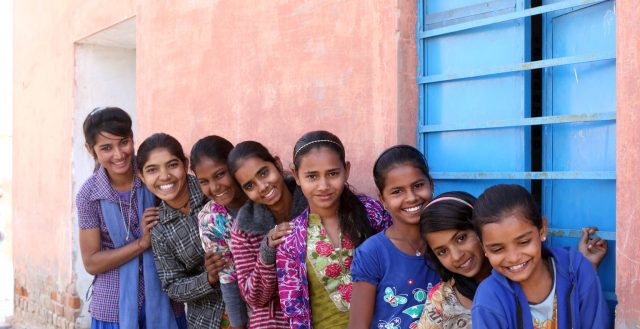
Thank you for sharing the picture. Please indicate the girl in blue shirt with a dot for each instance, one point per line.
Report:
(531, 286)
(390, 277)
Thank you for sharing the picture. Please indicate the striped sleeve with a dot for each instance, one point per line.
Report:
(257, 280)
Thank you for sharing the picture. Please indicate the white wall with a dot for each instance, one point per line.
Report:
(105, 76)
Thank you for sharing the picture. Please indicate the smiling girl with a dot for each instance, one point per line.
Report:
(391, 277)
(531, 286)
(313, 262)
(259, 228)
(114, 232)
(179, 255)
(217, 217)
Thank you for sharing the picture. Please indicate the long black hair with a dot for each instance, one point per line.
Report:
(449, 211)
(113, 120)
(354, 221)
(248, 149)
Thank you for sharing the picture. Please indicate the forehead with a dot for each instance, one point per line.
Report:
(402, 174)
(206, 163)
(160, 156)
(320, 158)
(106, 138)
(508, 228)
(250, 165)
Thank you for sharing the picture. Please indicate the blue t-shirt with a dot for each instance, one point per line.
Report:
(402, 281)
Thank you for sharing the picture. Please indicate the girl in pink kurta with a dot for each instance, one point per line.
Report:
(313, 262)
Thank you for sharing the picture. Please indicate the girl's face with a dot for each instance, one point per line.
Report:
(114, 153)
(514, 247)
(322, 177)
(216, 182)
(459, 251)
(406, 192)
(165, 175)
(261, 180)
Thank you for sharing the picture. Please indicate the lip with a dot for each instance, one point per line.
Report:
(324, 197)
(468, 265)
(168, 187)
(217, 196)
(269, 196)
(519, 268)
(413, 209)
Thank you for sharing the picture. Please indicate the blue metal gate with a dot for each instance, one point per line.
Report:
(475, 117)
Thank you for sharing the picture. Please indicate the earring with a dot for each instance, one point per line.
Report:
(544, 238)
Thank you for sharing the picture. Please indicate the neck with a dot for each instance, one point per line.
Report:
(181, 201)
(485, 271)
(325, 213)
(238, 201)
(539, 284)
(121, 182)
(406, 232)
(281, 211)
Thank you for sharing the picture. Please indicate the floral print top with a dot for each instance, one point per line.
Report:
(293, 285)
(215, 223)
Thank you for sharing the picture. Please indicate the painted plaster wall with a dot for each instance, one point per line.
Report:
(274, 70)
(44, 36)
(628, 162)
(268, 71)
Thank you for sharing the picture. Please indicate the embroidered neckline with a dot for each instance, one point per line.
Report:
(330, 264)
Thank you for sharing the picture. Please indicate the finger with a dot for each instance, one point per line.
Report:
(585, 236)
(281, 234)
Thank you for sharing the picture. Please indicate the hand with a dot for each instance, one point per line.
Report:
(214, 263)
(274, 237)
(593, 249)
(150, 218)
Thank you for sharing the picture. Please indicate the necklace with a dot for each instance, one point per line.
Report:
(409, 242)
(127, 225)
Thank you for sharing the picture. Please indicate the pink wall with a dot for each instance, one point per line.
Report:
(277, 69)
(268, 71)
(628, 164)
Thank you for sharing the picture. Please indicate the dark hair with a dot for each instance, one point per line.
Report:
(213, 147)
(112, 120)
(503, 200)
(449, 214)
(354, 221)
(397, 155)
(248, 149)
(155, 141)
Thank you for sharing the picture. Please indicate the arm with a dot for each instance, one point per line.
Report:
(379, 218)
(174, 276)
(97, 261)
(255, 268)
(594, 312)
(363, 300)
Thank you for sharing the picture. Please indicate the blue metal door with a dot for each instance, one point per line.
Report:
(475, 117)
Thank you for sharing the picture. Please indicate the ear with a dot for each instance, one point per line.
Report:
(347, 169)
(381, 199)
(543, 230)
(90, 150)
(278, 163)
(139, 173)
(295, 173)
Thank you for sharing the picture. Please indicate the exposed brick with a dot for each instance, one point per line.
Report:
(74, 302)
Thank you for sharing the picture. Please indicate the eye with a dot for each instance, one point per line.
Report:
(247, 187)
(496, 250)
(124, 141)
(173, 165)
(105, 148)
(333, 173)
(461, 238)
(150, 170)
(220, 174)
(418, 186)
(441, 252)
(395, 191)
(263, 173)
(203, 182)
(524, 242)
(312, 177)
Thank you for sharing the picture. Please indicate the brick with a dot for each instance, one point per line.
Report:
(74, 302)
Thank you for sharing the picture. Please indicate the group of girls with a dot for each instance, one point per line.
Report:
(245, 245)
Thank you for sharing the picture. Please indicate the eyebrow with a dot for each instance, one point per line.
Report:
(453, 236)
(521, 236)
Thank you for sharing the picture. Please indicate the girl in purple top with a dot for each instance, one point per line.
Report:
(114, 222)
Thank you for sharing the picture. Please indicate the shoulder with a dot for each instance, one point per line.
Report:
(86, 191)
(372, 245)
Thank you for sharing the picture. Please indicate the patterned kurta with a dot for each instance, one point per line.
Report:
(179, 258)
(291, 265)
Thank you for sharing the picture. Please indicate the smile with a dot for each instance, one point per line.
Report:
(467, 264)
(414, 209)
(518, 268)
(222, 194)
(166, 187)
(270, 194)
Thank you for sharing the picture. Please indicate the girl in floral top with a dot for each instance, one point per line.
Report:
(313, 262)
(209, 163)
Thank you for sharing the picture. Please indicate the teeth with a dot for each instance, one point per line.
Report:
(221, 194)
(412, 209)
(270, 194)
(465, 264)
(166, 186)
(517, 267)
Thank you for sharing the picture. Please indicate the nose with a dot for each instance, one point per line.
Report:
(411, 196)
(323, 184)
(118, 154)
(262, 186)
(512, 257)
(456, 254)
